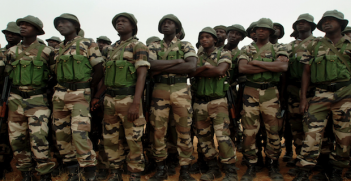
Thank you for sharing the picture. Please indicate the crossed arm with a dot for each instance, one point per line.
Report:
(178, 66)
(211, 71)
(254, 67)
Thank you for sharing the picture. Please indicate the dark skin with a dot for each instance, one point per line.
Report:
(348, 34)
(28, 32)
(52, 43)
(208, 43)
(274, 38)
(102, 44)
(12, 39)
(177, 66)
(67, 29)
(304, 29)
(125, 28)
(233, 38)
(178, 35)
(253, 35)
(332, 28)
(222, 36)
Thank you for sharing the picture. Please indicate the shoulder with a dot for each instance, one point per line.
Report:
(155, 46)
(139, 44)
(48, 50)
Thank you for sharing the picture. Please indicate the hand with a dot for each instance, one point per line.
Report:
(133, 112)
(282, 59)
(303, 106)
(94, 104)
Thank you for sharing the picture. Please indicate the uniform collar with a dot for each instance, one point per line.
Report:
(213, 52)
(342, 40)
(174, 40)
(62, 44)
(129, 39)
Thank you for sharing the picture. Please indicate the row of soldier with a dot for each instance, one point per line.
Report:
(108, 80)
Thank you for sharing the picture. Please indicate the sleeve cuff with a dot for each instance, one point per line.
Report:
(142, 63)
(190, 54)
(96, 61)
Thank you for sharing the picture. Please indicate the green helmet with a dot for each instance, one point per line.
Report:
(265, 23)
(210, 31)
(238, 28)
(173, 18)
(81, 33)
(281, 29)
(54, 38)
(152, 39)
(335, 14)
(12, 27)
(36, 22)
(104, 38)
(131, 18)
(221, 27)
(347, 30)
(67, 16)
(41, 41)
(182, 35)
(252, 25)
(307, 17)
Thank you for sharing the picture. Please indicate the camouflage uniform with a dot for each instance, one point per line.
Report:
(116, 109)
(28, 108)
(71, 107)
(264, 101)
(327, 99)
(176, 97)
(214, 113)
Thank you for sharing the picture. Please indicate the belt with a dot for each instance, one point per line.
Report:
(259, 86)
(26, 95)
(170, 80)
(121, 91)
(75, 86)
(296, 84)
(334, 87)
(206, 99)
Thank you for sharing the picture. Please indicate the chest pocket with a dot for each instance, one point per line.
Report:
(172, 55)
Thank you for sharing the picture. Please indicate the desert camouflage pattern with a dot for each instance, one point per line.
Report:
(315, 121)
(225, 56)
(71, 116)
(28, 132)
(248, 51)
(266, 103)
(116, 115)
(298, 52)
(214, 114)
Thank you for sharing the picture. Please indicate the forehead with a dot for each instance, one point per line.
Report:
(25, 23)
(220, 30)
(204, 34)
(233, 31)
(122, 18)
(168, 21)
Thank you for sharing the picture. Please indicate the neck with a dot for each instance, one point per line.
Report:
(70, 37)
(169, 38)
(28, 40)
(209, 50)
(231, 46)
(304, 35)
(220, 43)
(124, 37)
(334, 36)
(261, 42)
(273, 40)
(9, 45)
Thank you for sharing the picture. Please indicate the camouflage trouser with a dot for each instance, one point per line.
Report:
(28, 132)
(72, 123)
(266, 103)
(315, 121)
(171, 134)
(115, 114)
(178, 98)
(214, 114)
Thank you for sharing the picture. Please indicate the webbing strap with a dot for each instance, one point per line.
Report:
(31, 47)
(169, 49)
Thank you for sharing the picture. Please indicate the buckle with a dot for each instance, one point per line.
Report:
(264, 86)
(171, 80)
(73, 87)
(331, 88)
(24, 95)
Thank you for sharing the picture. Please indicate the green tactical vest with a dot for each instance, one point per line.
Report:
(172, 55)
(73, 68)
(120, 73)
(30, 72)
(214, 87)
(272, 77)
(329, 68)
(234, 70)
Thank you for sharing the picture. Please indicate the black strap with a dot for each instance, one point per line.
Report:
(121, 91)
(334, 87)
(259, 86)
(75, 86)
(26, 95)
(170, 80)
(206, 99)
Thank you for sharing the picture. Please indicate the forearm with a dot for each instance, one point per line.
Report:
(183, 68)
(306, 78)
(160, 65)
(97, 76)
(274, 66)
(139, 88)
(213, 72)
(251, 69)
(197, 71)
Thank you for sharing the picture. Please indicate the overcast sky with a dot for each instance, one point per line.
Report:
(95, 16)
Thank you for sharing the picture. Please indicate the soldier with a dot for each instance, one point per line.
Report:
(262, 62)
(122, 105)
(28, 67)
(211, 107)
(171, 60)
(304, 26)
(221, 31)
(103, 41)
(181, 34)
(81, 33)
(71, 100)
(41, 41)
(53, 41)
(13, 37)
(279, 33)
(251, 33)
(347, 31)
(327, 66)
(152, 40)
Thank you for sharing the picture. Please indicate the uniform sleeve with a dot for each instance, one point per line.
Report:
(307, 55)
(141, 54)
(94, 54)
(226, 57)
(289, 48)
(281, 50)
(152, 51)
(244, 54)
(188, 50)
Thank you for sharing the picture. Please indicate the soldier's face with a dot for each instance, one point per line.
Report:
(253, 35)
(123, 25)
(27, 29)
(12, 38)
(66, 27)
(221, 34)
(303, 26)
(52, 43)
(262, 33)
(102, 44)
(277, 30)
(348, 34)
(330, 24)
(207, 40)
(168, 27)
(234, 37)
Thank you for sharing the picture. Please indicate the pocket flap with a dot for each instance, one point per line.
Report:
(23, 62)
(64, 57)
(109, 64)
(132, 69)
(78, 57)
(318, 59)
(38, 63)
(331, 58)
(15, 63)
(120, 64)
